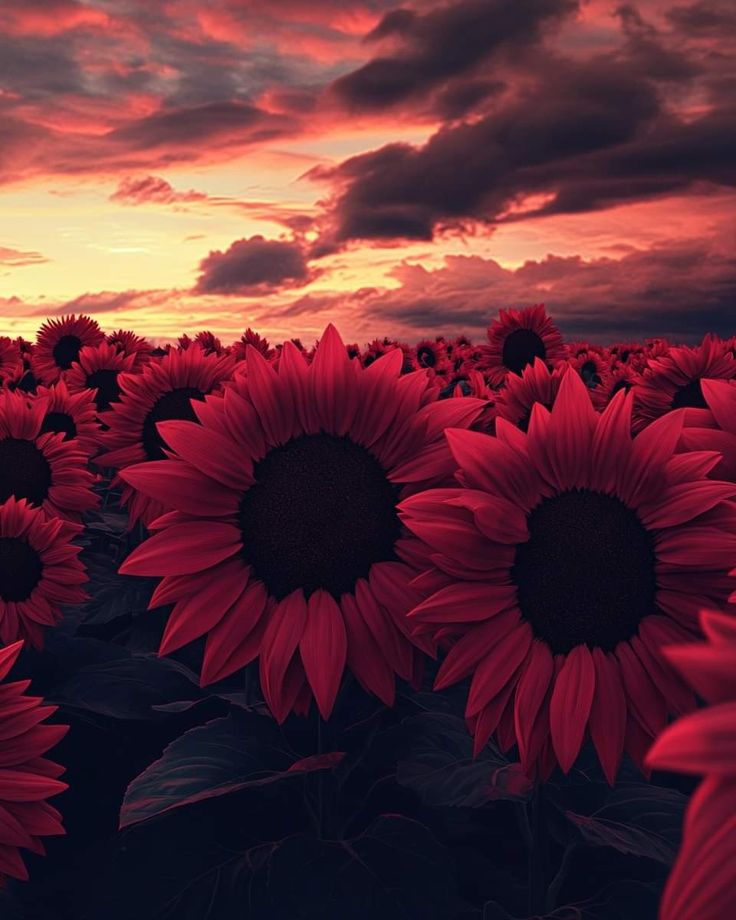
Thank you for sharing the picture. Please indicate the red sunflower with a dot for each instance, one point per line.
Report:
(249, 337)
(715, 428)
(673, 381)
(516, 338)
(27, 778)
(209, 343)
(59, 342)
(432, 354)
(98, 368)
(631, 353)
(620, 377)
(703, 880)
(537, 384)
(131, 344)
(475, 386)
(164, 389)
(39, 570)
(11, 360)
(567, 558)
(41, 467)
(72, 414)
(285, 541)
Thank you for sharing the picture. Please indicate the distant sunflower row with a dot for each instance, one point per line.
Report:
(545, 517)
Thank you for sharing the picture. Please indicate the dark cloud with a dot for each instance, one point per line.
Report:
(445, 42)
(478, 169)
(233, 122)
(646, 52)
(681, 289)
(38, 68)
(253, 266)
(705, 18)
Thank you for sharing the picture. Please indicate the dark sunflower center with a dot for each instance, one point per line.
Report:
(587, 572)
(690, 397)
(426, 356)
(589, 373)
(20, 569)
(24, 471)
(108, 389)
(520, 348)
(320, 514)
(27, 383)
(620, 385)
(59, 422)
(523, 422)
(66, 351)
(175, 404)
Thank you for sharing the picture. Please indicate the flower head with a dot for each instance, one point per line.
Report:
(564, 561)
(701, 884)
(27, 778)
(43, 468)
(164, 389)
(516, 338)
(284, 541)
(59, 342)
(39, 571)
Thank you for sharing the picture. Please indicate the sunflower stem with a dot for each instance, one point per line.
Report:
(538, 853)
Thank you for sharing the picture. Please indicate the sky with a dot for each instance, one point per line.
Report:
(397, 169)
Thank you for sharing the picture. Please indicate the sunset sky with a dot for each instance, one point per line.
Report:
(399, 169)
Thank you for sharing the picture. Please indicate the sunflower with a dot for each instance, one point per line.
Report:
(41, 467)
(537, 384)
(591, 365)
(98, 368)
(72, 414)
(715, 428)
(164, 389)
(569, 556)
(630, 353)
(673, 380)
(702, 882)
(432, 354)
(285, 540)
(619, 377)
(476, 387)
(249, 337)
(516, 338)
(11, 361)
(39, 570)
(27, 778)
(131, 344)
(59, 342)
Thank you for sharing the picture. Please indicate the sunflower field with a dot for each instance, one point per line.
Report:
(443, 631)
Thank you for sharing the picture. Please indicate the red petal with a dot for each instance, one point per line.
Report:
(530, 695)
(465, 602)
(570, 705)
(323, 648)
(498, 667)
(608, 713)
(179, 486)
(211, 452)
(365, 657)
(279, 643)
(183, 549)
(703, 742)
